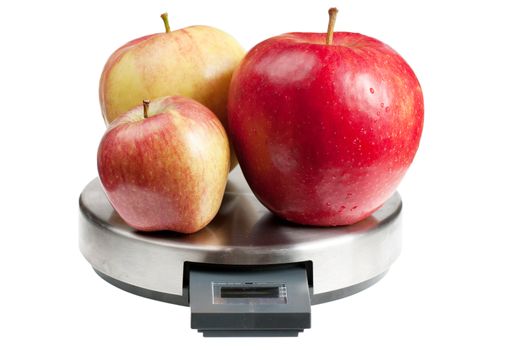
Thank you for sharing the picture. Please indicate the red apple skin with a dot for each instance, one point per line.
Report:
(167, 171)
(324, 133)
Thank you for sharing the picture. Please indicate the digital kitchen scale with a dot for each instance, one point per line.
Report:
(248, 273)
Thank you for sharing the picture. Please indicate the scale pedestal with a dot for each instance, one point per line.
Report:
(247, 273)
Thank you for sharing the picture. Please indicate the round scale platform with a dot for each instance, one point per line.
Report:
(244, 235)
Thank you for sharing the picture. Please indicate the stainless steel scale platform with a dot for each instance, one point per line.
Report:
(248, 273)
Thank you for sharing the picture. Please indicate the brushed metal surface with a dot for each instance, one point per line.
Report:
(243, 233)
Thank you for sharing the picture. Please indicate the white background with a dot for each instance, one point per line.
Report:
(459, 282)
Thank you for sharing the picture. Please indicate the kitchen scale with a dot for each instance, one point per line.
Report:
(248, 273)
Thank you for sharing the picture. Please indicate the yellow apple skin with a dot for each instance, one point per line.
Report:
(195, 62)
(167, 171)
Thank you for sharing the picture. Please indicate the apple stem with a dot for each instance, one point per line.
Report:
(145, 104)
(331, 24)
(164, 17)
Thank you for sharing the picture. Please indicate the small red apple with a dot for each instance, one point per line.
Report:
(324, 125)
(164, 165)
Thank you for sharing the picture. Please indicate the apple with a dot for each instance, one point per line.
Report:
(195, 62)
(164, 165)
(324, 125)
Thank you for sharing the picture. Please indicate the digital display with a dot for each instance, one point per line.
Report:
(250, 292)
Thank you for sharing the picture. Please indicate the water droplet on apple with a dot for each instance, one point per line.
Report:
(354, 207)
(372, 90)
(382, 105)
(387, 109)
(378, 114)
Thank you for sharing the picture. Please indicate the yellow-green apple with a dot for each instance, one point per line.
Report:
(324, 125)
(195, 62)
(164, 165)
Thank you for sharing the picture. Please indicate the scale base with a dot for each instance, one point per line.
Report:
(244, 242)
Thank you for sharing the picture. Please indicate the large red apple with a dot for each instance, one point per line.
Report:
(164, 166)
(324, 125)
